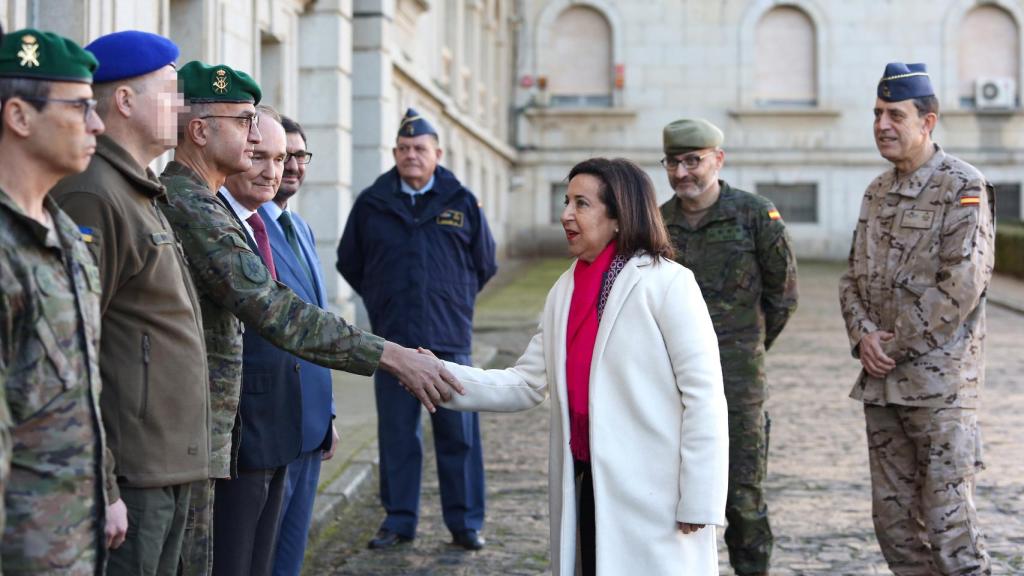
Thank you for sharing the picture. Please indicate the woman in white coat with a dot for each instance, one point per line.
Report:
(639, 437)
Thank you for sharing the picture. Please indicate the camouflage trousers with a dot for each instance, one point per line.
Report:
(748, 535)
(197, 544)
(923, 464)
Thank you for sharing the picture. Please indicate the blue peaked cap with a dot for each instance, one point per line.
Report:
(904, 81)
(415, 125)
(130, 53)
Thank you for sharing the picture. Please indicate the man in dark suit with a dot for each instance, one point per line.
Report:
(247, 508)
(312, 406)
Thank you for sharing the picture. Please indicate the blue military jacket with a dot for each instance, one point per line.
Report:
(418, 274)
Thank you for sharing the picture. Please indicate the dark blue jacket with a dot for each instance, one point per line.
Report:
(418, 275)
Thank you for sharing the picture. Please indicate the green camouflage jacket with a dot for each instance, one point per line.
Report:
(920, 262)
(49, 365)
(742, 259)
(235, 287)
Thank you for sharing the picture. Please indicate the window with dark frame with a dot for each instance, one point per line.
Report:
(1008, 201)
(798, 202)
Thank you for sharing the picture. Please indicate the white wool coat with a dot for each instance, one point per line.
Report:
(658, 422)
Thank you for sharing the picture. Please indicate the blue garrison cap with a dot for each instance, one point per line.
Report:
(904, 81)
(130, 53)
(415, 125)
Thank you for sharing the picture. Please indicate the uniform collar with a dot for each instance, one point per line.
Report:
(722, 209)
(912, 184)
(176, 169)
(39, 231)
(124, 163)
(408, 189)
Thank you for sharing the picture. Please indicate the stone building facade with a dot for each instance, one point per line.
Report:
(791, 83)
(523, 89)
(346, 70)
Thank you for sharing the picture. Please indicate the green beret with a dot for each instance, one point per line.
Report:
(691, 134)
(220, 83)
(38, 55)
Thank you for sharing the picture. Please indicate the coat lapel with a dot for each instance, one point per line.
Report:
(558, 335)
(624, 284)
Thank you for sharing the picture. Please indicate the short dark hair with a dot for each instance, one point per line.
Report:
(293, 127)
(926, 105)
(628, 193)
(26, 88)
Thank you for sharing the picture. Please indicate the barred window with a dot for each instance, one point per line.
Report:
(798, 203)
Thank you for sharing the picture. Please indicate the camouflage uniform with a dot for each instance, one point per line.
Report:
(741, 257)
(49, 354)
(919, 266)
(234, 287)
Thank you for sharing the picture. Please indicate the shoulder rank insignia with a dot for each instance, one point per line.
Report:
(970, 200)
(86, 233)
(773, 214)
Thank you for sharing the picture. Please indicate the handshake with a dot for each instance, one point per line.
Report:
(421, 373)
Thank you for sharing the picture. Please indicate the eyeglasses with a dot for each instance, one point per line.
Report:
(87, 105)
(247, 121)
(300, 157)
(690, 162)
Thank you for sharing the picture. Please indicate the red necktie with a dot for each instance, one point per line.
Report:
(259, 230)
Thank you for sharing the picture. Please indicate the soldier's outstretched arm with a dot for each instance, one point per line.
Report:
(233, 276)
(966, 257)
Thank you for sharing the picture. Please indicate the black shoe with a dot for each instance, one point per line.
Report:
(386, 539)
(469, 539)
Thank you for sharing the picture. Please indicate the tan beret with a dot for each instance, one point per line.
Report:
(691, 134)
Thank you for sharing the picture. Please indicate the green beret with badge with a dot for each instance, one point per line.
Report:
(202, 83)
(689, 134)
(37, 55)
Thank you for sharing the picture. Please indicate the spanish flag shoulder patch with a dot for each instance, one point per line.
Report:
(970, 200)
(773, 214)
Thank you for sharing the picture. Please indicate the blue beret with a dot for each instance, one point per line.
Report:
(415, 125)
(904, 81)
(129, 54)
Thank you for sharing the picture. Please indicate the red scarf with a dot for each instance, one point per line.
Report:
(581, 333)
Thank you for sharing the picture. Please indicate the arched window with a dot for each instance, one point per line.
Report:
(785, 59)
(988, 61)
(578, 59)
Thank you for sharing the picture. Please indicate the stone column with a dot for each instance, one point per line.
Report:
(325, 112)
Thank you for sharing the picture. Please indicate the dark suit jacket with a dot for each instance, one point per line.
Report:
(269, 436)
(314, 406)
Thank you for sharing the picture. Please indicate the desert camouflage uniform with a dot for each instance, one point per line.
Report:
(234, 287)
(49, 365)
(741, 257)
(920, 263)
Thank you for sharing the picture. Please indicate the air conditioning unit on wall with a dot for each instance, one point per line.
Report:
(995, 92)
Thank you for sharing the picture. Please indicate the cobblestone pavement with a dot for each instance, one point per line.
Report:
(818, 487)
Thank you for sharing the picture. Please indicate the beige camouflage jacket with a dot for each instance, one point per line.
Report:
(920, 263)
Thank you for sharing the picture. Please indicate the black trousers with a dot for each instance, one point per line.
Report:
(247, 512)
(586, 534)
